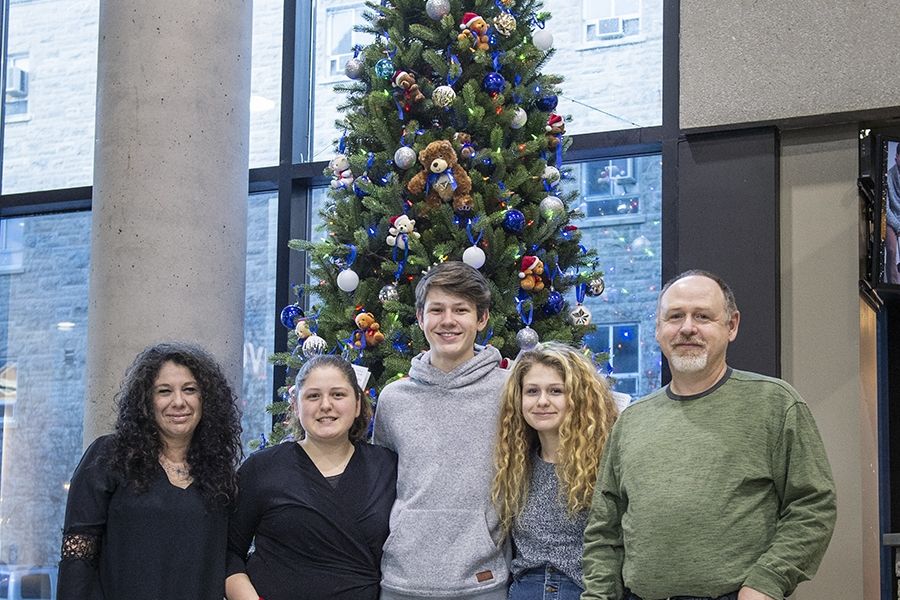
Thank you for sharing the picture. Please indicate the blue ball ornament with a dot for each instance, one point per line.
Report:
(288, 315)
(555, 303)
(493, 83)
(384, 68)
(547, 103)
(514, 221)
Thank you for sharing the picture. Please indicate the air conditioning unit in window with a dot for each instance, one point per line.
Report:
(17, 83)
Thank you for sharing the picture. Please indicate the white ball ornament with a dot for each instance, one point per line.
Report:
(436, 9)
(520, 117)
(474, 257)
(348, 280)
(542, 40)
(443, 96)
(404, 157)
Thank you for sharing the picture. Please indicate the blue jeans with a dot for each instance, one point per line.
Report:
(544, 584)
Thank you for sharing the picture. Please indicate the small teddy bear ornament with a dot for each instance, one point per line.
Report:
(472, 24)
(555, 129)
(406, 82)
(530, 274)
(340, 169)
(401, 231)
(369, 332)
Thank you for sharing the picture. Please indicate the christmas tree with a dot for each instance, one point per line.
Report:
(451, 151)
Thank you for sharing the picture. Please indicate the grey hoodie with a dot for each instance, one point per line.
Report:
(445, 537)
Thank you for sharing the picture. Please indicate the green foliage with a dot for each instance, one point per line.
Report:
(506, 171)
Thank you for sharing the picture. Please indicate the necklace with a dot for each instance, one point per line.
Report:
(178, 470)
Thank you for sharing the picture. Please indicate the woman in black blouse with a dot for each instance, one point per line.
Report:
(147, 513)
(317, 509)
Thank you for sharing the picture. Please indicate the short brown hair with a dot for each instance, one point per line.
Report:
(459, 279)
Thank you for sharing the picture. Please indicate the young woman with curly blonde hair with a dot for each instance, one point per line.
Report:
(556, 413)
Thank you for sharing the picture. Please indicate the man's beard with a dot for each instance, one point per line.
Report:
(689, 363)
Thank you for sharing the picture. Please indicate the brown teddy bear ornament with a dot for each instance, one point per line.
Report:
(369, 329)
(530, 274)
(443, 179)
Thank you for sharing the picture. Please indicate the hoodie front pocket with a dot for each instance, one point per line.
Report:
(441, 551)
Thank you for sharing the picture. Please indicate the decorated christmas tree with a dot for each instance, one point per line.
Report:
(450, 151)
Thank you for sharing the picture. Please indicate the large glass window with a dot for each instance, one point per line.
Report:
(610, 54)
(50, 95)
(622, 202)
(333, 21)
(43, 333)
(265, 82)
(259, 308)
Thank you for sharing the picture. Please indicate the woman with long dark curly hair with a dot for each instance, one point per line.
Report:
(555, 416)
(147, 513)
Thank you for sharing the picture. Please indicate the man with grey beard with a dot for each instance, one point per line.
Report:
(715, 487)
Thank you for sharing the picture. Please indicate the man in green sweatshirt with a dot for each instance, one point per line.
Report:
(716, 486)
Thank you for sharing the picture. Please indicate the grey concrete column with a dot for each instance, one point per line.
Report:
(170, 187)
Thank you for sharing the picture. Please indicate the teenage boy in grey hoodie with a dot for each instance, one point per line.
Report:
(445, 540)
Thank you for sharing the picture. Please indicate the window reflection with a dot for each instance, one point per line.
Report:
(43, 331)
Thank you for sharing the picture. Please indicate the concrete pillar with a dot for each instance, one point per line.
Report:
(170, 187)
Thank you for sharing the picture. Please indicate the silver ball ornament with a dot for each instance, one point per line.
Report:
(505, 24)
(348, 280)
(388, 293)
(520, 117)
(436, 9)
(474, 257)
(443, 96)
(527, 338)
(404, 157)
(595, 287)
(314, 345)
(552, 208)
(551, 174)
(354, 68)
(542, 40)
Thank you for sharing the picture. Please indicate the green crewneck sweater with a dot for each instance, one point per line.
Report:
(700, 495)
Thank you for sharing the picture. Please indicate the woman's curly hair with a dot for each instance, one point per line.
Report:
(215, 448)
(590, 415)
(360, 426)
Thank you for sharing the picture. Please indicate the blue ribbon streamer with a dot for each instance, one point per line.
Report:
(473, 241)
(487, 337)
(433, 177)
(352, 256)
(580, 290)
(400, 114)
(342, 144)
(521, 310)
(454, 61)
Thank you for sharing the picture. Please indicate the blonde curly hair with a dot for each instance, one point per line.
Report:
(590, 415)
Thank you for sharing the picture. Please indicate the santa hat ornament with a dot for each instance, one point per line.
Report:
(554, 119)
(468, 20)
(528, 263)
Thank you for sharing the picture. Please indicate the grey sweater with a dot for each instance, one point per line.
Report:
(544, 533)
(445, 536)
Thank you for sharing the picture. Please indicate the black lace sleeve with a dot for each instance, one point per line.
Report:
(90, 491)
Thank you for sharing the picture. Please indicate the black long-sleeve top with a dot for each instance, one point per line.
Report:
(312, 541)
(119, 544)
